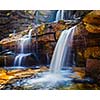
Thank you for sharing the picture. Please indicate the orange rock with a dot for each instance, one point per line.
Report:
(93, 52)
(3, 75)
(3, 82)
(11, 72)
(93, 28)
(92, 21)
(92, 18)
(6, 77)
(43, 68)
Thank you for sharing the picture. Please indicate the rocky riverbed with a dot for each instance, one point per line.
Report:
(29, 78)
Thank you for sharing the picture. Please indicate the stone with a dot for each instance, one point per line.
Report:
(93, 17)
(93, 28)
(92, 52)
(11, 21)
(11, 76)
(93, 69)
(92, 21)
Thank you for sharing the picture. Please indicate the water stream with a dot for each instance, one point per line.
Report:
(62, 50)
(23, 43)
(55, 77)
(59, 15)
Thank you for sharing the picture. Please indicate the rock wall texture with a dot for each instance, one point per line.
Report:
(44, 37)
(13, 21)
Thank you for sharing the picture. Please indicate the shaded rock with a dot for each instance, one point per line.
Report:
(85, 44)
(13, 21)
(80, 86)
(6, 60)
(93, 69)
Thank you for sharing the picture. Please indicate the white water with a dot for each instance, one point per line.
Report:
(59, 15)
(19, 59)
(48, 80)
(55, 77)
(23, 43)
(61, 52)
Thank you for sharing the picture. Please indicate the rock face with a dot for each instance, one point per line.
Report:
(86, 40)
(14, 21)
(93, 69)
(45, 36)
(92, 21)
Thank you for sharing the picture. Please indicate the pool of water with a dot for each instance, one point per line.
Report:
(53, 81)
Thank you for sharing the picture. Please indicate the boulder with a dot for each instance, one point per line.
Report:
(92, 52)
(92, 21)
(93, 17)
(93, 69)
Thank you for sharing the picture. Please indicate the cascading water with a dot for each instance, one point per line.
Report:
(62, 14)
(23, 43)
(56, 77)
(59, 15)
(61, 52)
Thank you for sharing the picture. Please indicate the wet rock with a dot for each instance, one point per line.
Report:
(79, 73)
(17, 75)
(80, 86)
(84, 81)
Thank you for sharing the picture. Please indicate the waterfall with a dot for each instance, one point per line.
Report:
(23, 43)
(59, 15)
(62, 14)
(62, 50)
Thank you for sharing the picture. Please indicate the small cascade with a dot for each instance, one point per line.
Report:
(62, 50)
(14, 32)
(55, 76)
(23, 43)
(59, 15)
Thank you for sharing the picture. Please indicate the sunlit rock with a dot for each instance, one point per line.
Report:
(93, 28)
(92, 52)
(92, 21)
(93, 17)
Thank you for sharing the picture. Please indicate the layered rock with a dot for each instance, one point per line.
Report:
(11, 76)
(92, 21)
(87, 37)
(44, 38)
(14, 21)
